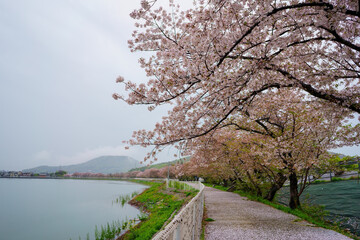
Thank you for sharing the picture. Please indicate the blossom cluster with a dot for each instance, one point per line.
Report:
(227, 63)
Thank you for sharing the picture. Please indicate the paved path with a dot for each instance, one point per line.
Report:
(238, 218)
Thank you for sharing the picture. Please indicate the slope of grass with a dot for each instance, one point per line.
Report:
(160, 203)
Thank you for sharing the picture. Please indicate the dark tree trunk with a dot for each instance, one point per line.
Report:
(231, 185)
(294, 194)
(255, 186)
(275, 187)
(271, 194)
(225, 182)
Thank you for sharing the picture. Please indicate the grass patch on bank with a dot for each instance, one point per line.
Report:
(336, 179)
(307, 213)
(203, 223)
(209, 220)
(160, 203)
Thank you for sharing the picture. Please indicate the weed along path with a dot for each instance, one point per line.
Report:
(238, 218)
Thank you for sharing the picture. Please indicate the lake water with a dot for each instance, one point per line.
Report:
(60, 209)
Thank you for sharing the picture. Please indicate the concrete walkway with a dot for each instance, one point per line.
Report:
(238, 218)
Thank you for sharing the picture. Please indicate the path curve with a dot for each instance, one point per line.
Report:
(238, 218)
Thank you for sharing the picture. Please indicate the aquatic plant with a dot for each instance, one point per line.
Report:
(125, 198)
(97, 234)
(114, 229)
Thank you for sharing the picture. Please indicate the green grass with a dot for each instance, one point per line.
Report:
(304, 214)
(161, 165)
(157, 166)
(320, 181)
(179, 186)
(209, 220)
(335, 179)
(111, 231)
(203, 223)
(160, 203)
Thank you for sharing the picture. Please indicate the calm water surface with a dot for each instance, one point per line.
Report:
(59, 209)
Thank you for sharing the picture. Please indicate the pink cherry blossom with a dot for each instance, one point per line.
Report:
(240, 65)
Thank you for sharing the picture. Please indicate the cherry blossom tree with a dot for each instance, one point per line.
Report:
(149, 173)
(272, 144)
(212, 61)
(171, 170)
(237, 159)
(300, 134)
(132, 174)
(222, 63)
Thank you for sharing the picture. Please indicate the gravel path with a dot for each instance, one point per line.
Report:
(238, 218)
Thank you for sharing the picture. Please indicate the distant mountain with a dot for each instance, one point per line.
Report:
(104, 164)
(338, 154)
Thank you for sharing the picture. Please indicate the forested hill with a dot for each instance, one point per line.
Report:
(161, 165)
(104, 164)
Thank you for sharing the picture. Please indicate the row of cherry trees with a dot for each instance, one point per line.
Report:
(260, 90)
(148, 173)
(267, 147)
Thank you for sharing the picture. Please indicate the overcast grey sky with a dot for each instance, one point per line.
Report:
(59, 60)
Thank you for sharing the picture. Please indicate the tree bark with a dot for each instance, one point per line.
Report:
(275, 187)
(294, 194)
(225, 182)
(255, 186)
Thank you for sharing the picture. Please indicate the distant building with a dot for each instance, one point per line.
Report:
(44, 175)
(27, 174)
